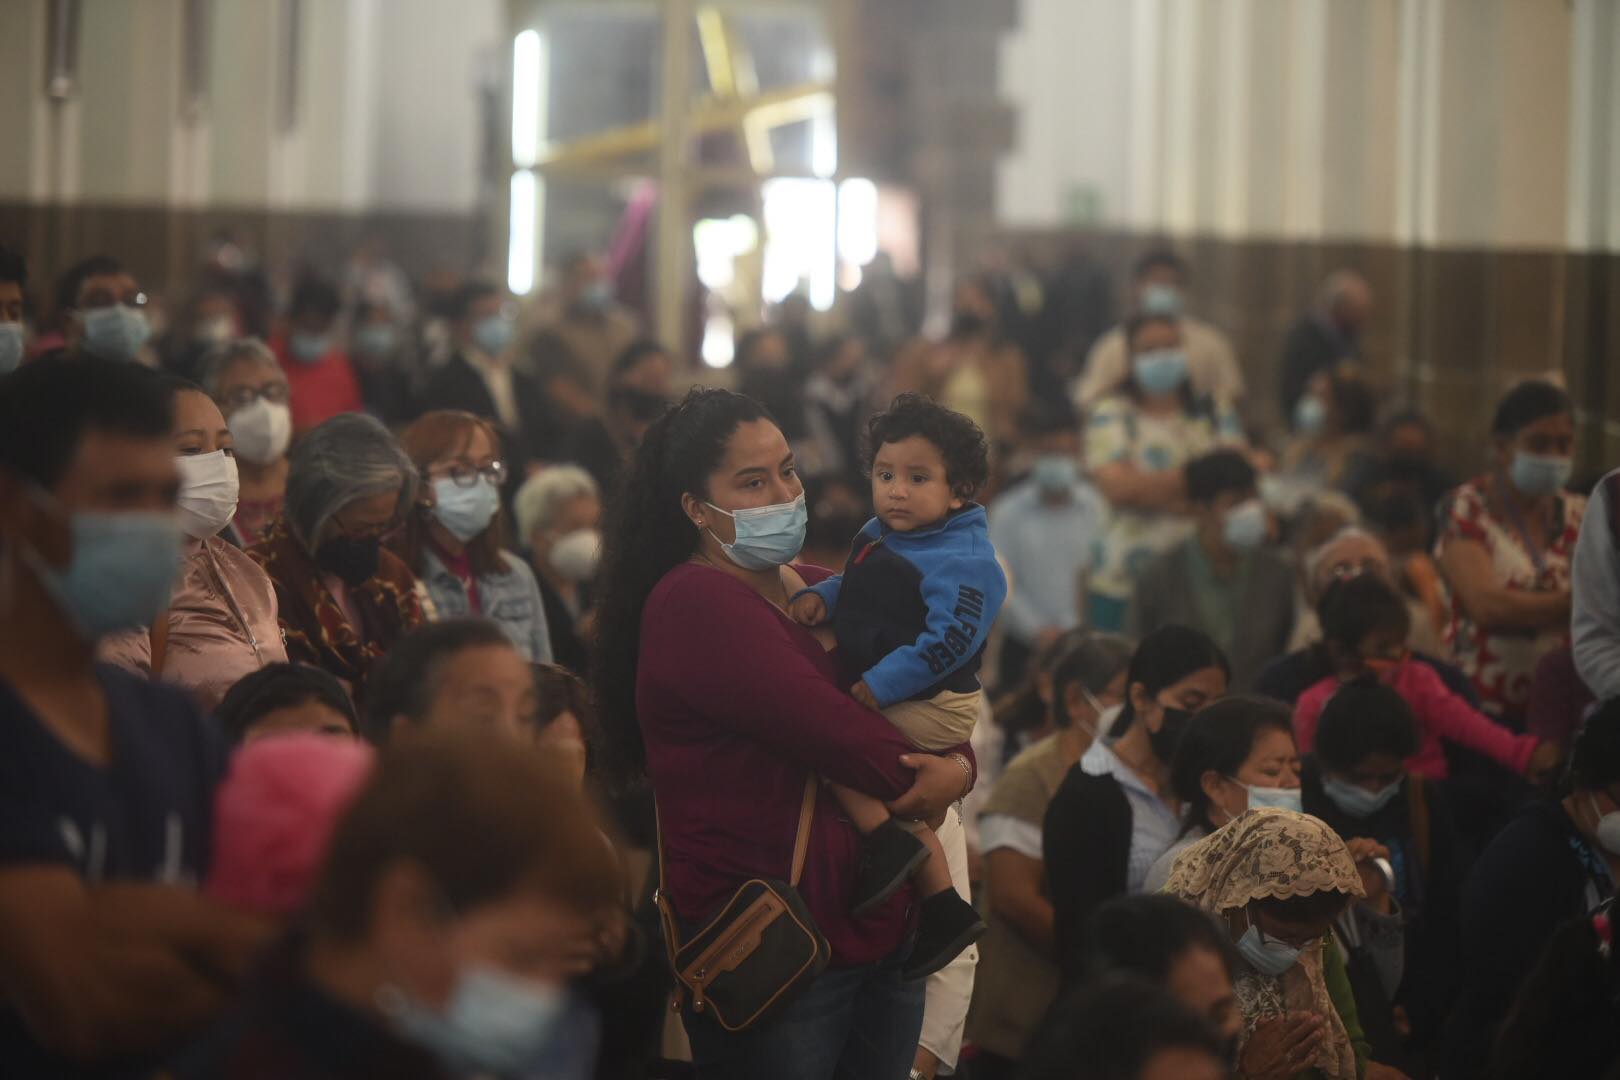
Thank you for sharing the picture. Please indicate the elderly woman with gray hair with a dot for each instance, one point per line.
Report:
(559, 513)
(247, 384)
(343, 599)
(1348, 553)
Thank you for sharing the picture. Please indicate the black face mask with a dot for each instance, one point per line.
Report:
(1168, 737)
(968, 324)
(354, 561)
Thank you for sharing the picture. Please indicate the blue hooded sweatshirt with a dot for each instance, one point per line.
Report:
(912, 609)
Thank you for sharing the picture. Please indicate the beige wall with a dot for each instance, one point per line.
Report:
(1460, 123)
(387, 119)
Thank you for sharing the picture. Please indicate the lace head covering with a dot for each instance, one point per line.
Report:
(1265, 854)
(1275, 854)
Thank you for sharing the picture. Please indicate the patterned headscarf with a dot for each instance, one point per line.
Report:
(1275, 855)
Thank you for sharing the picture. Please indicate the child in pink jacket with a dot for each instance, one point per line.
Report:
(1364, 628)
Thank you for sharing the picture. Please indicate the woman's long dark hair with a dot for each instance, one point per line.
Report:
(1165, 657)
(649, 534)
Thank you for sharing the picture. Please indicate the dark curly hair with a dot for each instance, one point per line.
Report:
(648, 535)
(1352, 608)
(958, 439)
(1362, 718)
(279, 686)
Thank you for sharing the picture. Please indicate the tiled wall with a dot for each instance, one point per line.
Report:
(1451, 330)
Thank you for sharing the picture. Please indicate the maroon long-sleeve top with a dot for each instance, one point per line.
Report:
(738, 705)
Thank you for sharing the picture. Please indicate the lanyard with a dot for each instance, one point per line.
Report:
(1538, 558)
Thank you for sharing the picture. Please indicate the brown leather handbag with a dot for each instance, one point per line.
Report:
(758, 952)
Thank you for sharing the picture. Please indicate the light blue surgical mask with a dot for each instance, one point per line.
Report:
(1310, 415)
(116, 332)
(1245, 525)
(1271, 798)
(11, 347)
(308, 348)
(1355, 800)
(767, 536)
(1266, 955)
(597, 295)
(465, 511)
(1160, 299)
(1159, 371)
(123, 566)
(492, 333)
(497, 1024)
(1055, 473)
(376, 339)
(1540, 474)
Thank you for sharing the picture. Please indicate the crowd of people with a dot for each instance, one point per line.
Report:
(400, 680)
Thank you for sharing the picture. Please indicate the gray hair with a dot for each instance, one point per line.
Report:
(221, 358)
(351, 456)
(541, 498)
(1319, 554)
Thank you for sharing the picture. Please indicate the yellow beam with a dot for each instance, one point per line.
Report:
(716, 45)
(780, 106)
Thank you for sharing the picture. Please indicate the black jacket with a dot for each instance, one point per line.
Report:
(1310, 347)
(1530, 880)
(458, 385)
(1418, 829)
(1086, 842)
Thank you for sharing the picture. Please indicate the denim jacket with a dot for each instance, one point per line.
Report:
(511, 599)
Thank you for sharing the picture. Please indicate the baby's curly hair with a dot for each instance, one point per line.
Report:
(958, 439)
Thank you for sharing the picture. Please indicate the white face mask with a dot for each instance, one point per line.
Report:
(1608, 828)
(1103, 714)
(261, 430)
(576, 555)
(208, 493)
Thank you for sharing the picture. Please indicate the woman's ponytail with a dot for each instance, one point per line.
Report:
(648, 535)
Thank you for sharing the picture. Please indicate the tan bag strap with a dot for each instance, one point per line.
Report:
(801, 846)
(159, 635)
(801, 841)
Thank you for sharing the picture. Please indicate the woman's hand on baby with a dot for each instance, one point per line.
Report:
(808, 609)
(937, 785)
(863, 694)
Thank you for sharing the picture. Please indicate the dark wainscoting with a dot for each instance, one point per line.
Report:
(1452, 328)
(164, 246)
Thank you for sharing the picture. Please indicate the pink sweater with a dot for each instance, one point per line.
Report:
(1440, 714)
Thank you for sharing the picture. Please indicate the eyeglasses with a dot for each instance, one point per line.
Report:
(467, 476)
(384, 532)
(1346, 570)
(242, 396)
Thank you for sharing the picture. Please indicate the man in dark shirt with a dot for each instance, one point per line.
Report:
(481, 378)
(1324, 335)
(107, 953)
